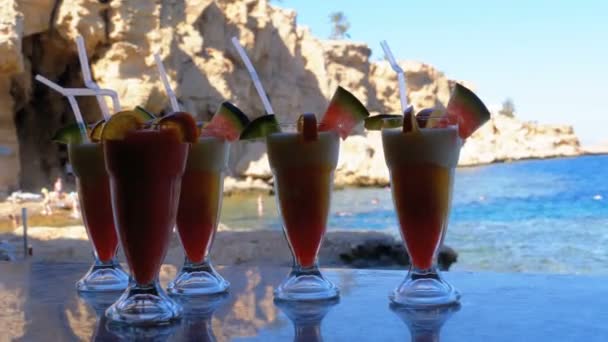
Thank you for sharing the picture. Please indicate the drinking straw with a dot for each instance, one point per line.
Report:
(165, 79)
(254, 76)
(81, 91)
(400, 75)
(86, 75)
(71, 94)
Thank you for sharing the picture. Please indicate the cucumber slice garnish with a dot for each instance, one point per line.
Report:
(261, 127)
(380, 121)
(69, 134)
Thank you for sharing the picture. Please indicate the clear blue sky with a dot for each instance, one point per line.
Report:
(550, 57)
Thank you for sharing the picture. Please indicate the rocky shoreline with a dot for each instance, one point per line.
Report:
(299, 71)
(263, 247)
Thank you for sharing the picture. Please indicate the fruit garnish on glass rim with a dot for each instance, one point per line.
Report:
(429, 117)
(345, 111)
(95, 133)
(143, 113)
(410, 124)
(466, 109)
(228, 123)
(380, 121)
(183, 123)
(261, 127)
(121, 123)
(69, 134)
(307, 127)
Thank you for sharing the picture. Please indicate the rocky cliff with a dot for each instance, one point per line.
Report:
(298, 70)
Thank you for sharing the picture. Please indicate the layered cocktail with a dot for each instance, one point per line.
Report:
(94, 195)
(146, 163)
(421, 166)
(303, 178)
(303, 158)
(200, 202)
(421, 155)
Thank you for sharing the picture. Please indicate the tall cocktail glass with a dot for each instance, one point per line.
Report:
(94, 195)
(145, 170)
(303, 179)
(198, 217)
(421, 165)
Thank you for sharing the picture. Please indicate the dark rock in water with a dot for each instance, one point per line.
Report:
(383, 253)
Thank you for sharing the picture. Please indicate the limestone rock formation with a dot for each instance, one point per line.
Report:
(299, 71)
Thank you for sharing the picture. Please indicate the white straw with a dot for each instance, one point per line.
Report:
(79, 120)
(71, 94)
(165, 79)
(81, 91)
(254, 76)
(400, 75)
(86, 75)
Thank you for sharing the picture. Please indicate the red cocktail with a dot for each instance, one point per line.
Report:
(303, 178)
(198, 217)
(421, 164)
(304, 194)
(145, 168)
(422, 199)
(94, 195)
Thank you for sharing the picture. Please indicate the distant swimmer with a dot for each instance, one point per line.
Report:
(260, 206)
(375, 201)
(598, 197)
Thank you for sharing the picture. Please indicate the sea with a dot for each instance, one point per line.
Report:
(538, 216)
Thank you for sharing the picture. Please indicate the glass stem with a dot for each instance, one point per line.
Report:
(203, 266)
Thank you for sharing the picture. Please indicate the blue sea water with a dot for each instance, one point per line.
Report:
(548, 216)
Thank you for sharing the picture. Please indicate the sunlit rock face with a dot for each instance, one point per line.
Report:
(299, 71)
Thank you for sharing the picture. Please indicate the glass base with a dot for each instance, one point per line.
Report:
(144, 305)
(424, 288)
(198, 279)
(104, 277)
(306, 284)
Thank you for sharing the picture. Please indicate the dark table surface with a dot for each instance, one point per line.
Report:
(38, 303)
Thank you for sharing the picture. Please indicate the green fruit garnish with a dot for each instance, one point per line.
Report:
(261, 127)
(69, 134)
(143, 113)
(380, 121)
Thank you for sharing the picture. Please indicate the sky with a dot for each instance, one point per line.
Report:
(549, 57)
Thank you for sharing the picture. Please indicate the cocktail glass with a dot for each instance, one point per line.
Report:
(94, 195)
(421, 166)
(198, 316)
(198, 217)
(303, 179)
(145, 170)
(307, 317)
(425, 323)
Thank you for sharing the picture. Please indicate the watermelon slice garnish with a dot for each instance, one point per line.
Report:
(261, 127)
(227, 123)
(307, 126)
(466, 109)
(345, 111)
(380, 121)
